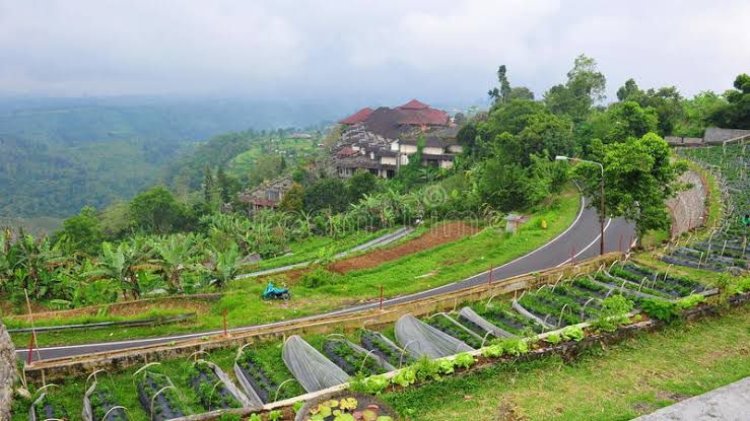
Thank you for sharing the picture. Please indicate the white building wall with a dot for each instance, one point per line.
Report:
(408, 149)
(446, 164)
(432, 151)
(388, 160)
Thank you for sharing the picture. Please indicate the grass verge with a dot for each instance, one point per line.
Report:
(632, 378)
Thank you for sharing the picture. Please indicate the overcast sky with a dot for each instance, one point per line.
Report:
(362, 52)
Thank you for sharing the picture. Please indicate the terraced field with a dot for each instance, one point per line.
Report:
(725, 249)
(259, 374)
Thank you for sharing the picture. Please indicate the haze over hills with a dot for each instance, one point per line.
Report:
(58, 155)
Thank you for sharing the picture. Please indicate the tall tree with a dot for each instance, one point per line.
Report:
(584, 87)
(639, 177)
(156, 211)
(736, 114)
(81, 233)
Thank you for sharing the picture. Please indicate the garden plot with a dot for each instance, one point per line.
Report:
(725, 249)
(311, 368)
(354, 359)
(502, 315)
(447, 324)
(99, 404)
(380, 345)
(479, 325)
(263, 375)
(660, 284)
(559, 306)
(213, 388)
(158, 396)
(425, 340)
(47, 407)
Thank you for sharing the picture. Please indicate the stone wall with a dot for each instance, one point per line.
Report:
(688, 208)
(7, 372)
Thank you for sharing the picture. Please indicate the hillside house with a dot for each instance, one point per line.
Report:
(382, 140)
(268, 195)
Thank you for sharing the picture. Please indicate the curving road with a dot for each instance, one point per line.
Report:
(580, 241)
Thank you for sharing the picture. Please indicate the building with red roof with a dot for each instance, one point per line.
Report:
(381, 140)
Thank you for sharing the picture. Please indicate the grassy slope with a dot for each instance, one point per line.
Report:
(420, 271)
(619, 383)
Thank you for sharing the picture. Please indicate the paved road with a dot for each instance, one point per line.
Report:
(728, 403)
(580, 241)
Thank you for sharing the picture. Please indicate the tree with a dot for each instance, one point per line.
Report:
(173, 255)
(81, 233)
(585, 86)
(294, 199)
(121, 264)
(622, 120)
(666, 102)
(697, 112)
(156, 211)
(504, 186)
(228, 185)
(736, 113)
(639, 177)
(501, 94)
(326, 193)
(224, 265)
(362, 183)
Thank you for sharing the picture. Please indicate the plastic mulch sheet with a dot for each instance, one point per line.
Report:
(311, 369)
(422, 339)
(469, 314)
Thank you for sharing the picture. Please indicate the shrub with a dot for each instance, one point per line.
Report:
(659, 309)
(319, 277)
(690, 301)
(427, 369)
(553, 338)
(275, 415)
(446, 367)
(614, 313)
(464, 360)
(492, 351)
(514, 346)
(405, 377)
(572, 333)
(373, 385)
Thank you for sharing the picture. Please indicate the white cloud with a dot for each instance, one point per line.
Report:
(364, 50)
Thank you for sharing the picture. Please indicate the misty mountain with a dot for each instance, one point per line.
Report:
(58, 155)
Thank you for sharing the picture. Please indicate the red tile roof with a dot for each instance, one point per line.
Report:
(357, 117)
(391, 122)
(414, 105)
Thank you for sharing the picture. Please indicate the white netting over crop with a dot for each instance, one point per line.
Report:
(380, 361)
(423, 339)
(469, 314)
(313, 370)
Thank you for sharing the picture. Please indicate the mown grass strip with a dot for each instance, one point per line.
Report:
(638, 376)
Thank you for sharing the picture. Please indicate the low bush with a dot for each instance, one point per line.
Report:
(572, 333)
(319, 277)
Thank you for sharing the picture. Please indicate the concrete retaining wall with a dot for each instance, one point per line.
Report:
(688, 208)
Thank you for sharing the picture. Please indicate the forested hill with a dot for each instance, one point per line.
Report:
(58, 155)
